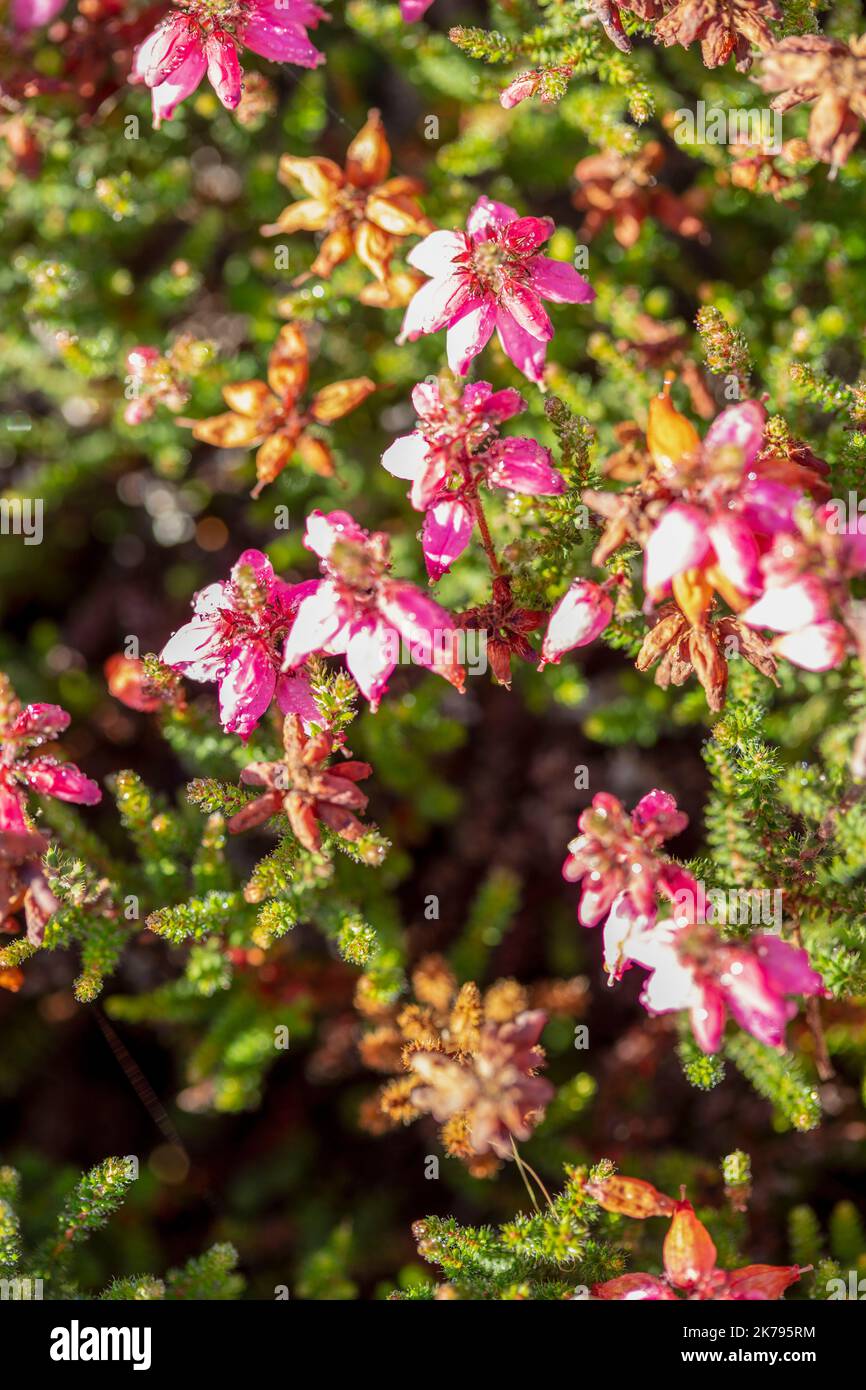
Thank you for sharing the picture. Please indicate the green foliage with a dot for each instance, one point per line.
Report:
(48, 1269)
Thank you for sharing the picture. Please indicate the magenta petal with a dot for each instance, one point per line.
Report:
(707, 1017)
(436, 305)
(488, 217)
(320, 617)
(406, 457)
(418, 619)
(46, 721)
(34, 14)
(736, 551)
(768, 506)
(165, 48)
(246, 688)
(280, 40)
(499, 405)
(679, 542)
(435, 254)
(754, 1004)
(525, 234)
(445, 535)
(524, 465)
(787, 967)
(63, 780)
(223, 69)
(371, 655)
(294, 696)
(559, 282)
(326, 529)
(413, 10)
(167, 96)
(527, 311)
(740, 427)
(12, 816)
(658, 812)
(526, 352)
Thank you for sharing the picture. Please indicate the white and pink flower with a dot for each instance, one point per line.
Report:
(360, 611)
(455, 449)
(205, 39)
(491, 277)
(235, 638)
(692, 969)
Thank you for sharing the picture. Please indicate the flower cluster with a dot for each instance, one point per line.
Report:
(692, 969)
(235, 638)
(455, 449)
(23, 768)
(491, 277)
(728, 518)
(359, 209)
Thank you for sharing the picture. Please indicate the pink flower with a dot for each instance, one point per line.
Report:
(707, 531)
(491, 277)
(234, 638)
(454, 450)
(184, 46)
(35, 14)
(520, 88)
(617, 854)
(692, 968)
(580, 615)
(27, 730)
(806, 572)
(413, 10)
(360, 611)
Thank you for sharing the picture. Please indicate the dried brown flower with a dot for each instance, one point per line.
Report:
(307, 788)
(506, 627)
(723, 27)
(828, 72)
(625, 190)
(483, 1051)
(495, 1090)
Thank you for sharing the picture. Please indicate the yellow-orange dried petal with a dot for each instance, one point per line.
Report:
(320, 178)
(336, 400)
(368, 157)
(228, 431)
(250, 398)
(670, 436)
(630, 1197)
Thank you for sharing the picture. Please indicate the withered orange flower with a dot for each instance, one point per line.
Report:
(358, 208)
(625, 190)
(270, 415)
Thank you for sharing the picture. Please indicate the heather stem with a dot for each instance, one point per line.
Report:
(486, 538)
